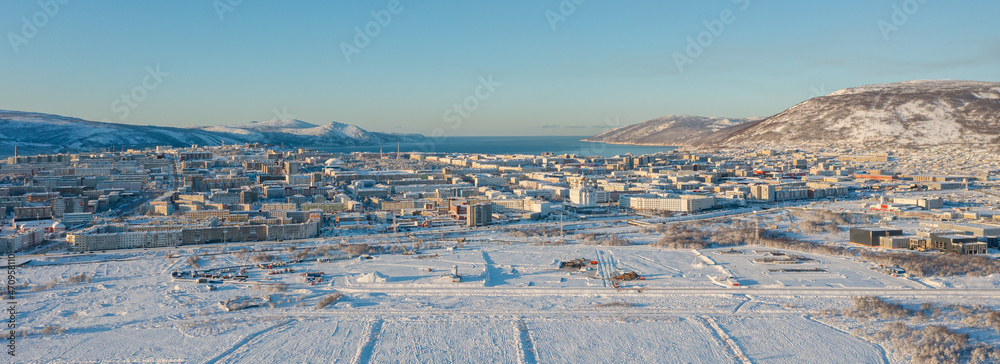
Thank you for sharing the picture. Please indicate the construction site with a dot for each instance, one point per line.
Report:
(519, 301)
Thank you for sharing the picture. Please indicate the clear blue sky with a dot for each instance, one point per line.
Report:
(607, 60)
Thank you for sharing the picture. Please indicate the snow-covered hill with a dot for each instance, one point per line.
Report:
(46, 133)
(299, 132)
(905, 114)
(673, 130)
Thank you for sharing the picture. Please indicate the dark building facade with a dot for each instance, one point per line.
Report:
(870, 236)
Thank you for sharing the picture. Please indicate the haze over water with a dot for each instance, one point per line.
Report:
(511, 145)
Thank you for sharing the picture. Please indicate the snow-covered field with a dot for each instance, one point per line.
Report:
(513, 304)
(787, 339)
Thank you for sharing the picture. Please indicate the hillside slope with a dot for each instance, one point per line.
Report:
(904, 114)
(672, 130)
(35, 133)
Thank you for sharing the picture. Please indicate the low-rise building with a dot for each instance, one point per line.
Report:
(958, 244)
(682, 203)
(871, 236)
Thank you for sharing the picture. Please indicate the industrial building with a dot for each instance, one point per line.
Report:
(894, 242)
(924, 203)
(958, 244)
(989, 234)
(871, 236)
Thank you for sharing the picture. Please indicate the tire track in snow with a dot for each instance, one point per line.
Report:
(367, 347)
(726, 339)
(600, 268)
(740, 305)
(605, 267)
(528, 353)
(612, 263)
(878, 348)
(244, 341)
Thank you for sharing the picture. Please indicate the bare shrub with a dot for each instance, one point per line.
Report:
(659, 228)
(550, 242)
(534, 232)
(875, 307)
(41, 287)
(262, 258)
(982, 353)
(825, 216)
(303, 254)
(241, 254)
(604, 240)
(614, 240)
(936, 264)
(50, 330)
(328, 300)
(280, 287)
(193, 261)
(79, 278)
(731, 237)
(678, 236)
(930, 344)
(356, 249)
(816, 227)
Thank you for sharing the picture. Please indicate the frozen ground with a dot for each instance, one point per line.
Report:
(513, 304)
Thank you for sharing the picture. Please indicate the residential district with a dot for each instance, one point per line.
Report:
(167, 197)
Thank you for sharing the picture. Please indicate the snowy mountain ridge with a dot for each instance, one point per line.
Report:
(45, 133)
(910, 114)
(904, 114)
(670, 130)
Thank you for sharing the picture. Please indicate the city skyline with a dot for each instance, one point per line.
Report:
(472, 68)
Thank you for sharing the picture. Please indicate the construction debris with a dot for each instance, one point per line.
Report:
(312, 277)
(242, 302)
(577, 263)
(629, 276)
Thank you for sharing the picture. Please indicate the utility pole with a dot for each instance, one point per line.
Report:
(757, 228)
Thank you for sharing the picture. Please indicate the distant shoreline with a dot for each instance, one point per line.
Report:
(637, 144)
